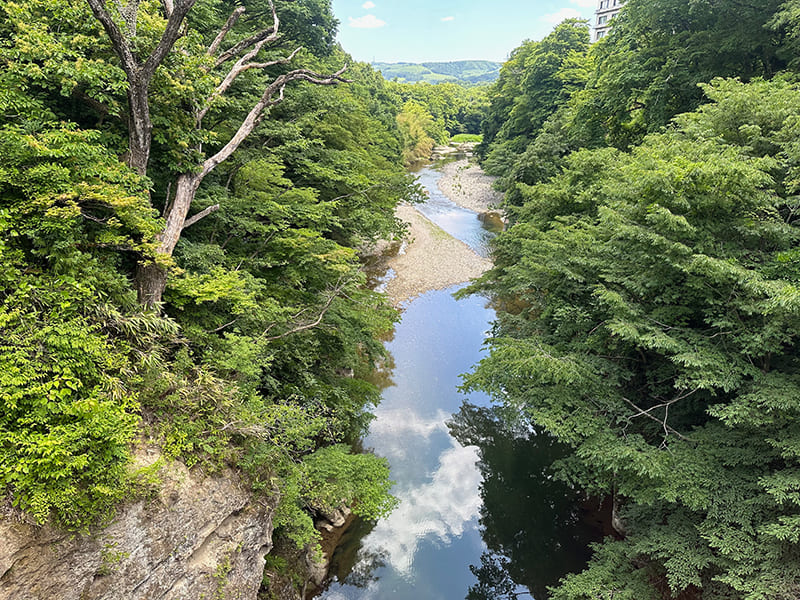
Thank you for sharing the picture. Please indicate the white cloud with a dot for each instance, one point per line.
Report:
(448, 18)
(438, 511)
(585, 3)
(564, 13)
(369, 4)
(366, 22)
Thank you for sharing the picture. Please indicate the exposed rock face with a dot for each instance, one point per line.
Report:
(201, 537)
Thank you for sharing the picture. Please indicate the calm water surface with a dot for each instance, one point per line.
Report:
(472, 504)
(459, 222)
(423, 550)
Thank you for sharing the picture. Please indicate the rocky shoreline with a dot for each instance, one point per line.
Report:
(467, 185)
(433, 259)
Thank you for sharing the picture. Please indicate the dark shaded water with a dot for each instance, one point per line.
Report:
(479, 512)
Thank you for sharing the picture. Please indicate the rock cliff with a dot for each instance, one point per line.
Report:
(199, 537)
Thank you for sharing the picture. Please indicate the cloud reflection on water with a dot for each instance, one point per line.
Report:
(393, 430)
(437, 510)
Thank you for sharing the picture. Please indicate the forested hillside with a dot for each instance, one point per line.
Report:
(184, 192)
(459, 71)
(432, 114)
(648, 289)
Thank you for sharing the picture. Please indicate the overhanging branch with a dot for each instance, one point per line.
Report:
(267, 35)
(254, 116)
(333, 294)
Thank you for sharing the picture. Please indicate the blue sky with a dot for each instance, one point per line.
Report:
(442, 30)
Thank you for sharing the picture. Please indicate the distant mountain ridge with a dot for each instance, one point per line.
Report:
(459, 71)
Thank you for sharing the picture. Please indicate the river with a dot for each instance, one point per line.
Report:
(476, 496)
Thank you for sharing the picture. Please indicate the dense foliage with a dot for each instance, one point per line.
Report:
(647, 290)
(257, 356)
(73, 344)
(433, 114)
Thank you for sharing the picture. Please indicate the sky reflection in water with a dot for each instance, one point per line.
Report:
(455, 499)
(429, 541)
(424, 548)
(459, 222)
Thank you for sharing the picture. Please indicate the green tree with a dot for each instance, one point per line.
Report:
(648, 319)
(269, 332)
(74, 347)
(649, 66)
(420, 133)
(538, 79)
(457, 108)
(204, 57)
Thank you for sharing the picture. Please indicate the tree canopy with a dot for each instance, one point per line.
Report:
(646, 292)
(266, 330)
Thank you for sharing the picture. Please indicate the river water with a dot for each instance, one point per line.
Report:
(459, 222)
(476, 496)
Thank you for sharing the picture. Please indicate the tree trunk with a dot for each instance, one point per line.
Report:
(140, 127)
(151, 277)
(185, 190)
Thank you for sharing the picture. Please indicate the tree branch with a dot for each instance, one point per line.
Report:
(244, 44)
(129, 14)
(306, 326)
(221, 327)
(203, 213)
(118, 40)
(229, 24)
(168, 38)
(267, 35)
(310, 325)
(646, 413)
(254, 116)
(240, 67)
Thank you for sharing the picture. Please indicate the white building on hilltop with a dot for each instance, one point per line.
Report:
(606, 10)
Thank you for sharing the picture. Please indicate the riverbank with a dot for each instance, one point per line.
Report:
(467, 185)
(431, 260)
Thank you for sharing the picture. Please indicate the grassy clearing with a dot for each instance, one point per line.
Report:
(460, 138)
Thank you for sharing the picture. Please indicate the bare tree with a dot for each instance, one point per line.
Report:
(151, 277)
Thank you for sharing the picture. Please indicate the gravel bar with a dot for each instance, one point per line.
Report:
(467, 185)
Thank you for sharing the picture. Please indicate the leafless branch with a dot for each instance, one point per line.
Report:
(254, 116)
(167, 200)
(357, 192)
(646, 413)
(92, 218)
(221, 327)
(203, 213)
(240, 67)
(267, 35)
(229, 24)
(244, 44)
(306, 326)
(333, 294)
